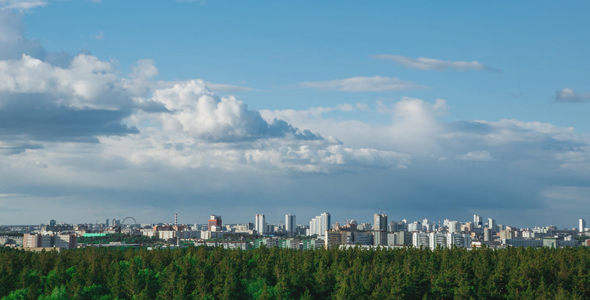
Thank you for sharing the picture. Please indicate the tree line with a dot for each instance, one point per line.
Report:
(117, 237)
(273, 273)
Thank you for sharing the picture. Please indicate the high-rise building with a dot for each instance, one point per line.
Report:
(403, 238)
(427, 225)
(214, 220)
(582, 224)
(290, 224)
(379, 238)
(492, 224)
(320, 224)
(415, 226)
(107, 223)
(487, 235)
(326, 222)
(380, 222)
(393, 225)
(453, 227)
(52, 223)
(260, 224)
(477, 221)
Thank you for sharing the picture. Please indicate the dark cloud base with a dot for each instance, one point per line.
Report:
(30, 116)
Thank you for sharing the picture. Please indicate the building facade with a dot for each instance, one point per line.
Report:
(214, 220)
(260, 224)
(380, 222)
(290, 224)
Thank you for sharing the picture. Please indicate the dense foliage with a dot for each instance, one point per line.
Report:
(117, 237)
(205, 273)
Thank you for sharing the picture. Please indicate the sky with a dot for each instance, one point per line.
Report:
(416, 109)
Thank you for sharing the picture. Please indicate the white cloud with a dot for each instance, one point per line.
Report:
(87, 83)
(423, 63)
(21, 4)
(569, 95)
(199, 112)
(80, 132)
(475, 155)
(363, 84)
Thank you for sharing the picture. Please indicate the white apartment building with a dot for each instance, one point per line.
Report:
(260, 224)
(437, 239)
(420, 239)
(320, 224)
(432, 239)
(459, 240)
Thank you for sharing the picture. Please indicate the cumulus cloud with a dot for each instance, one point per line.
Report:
(202, 114)
(86, 83)
(363, 84)
(569, 95)
(431, 64)
(39, 101)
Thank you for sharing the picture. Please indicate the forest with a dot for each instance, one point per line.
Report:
(273, 273)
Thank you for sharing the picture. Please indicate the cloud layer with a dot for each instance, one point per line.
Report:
(431, 64)
(363, 84)
(81, 141)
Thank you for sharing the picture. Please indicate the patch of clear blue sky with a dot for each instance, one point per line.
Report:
(541, 46)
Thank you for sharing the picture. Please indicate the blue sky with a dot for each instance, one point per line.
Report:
(271, 46)
(420, 109)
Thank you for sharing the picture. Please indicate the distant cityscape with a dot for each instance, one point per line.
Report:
(319, 232)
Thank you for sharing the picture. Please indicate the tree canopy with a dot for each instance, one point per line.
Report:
(273, 273)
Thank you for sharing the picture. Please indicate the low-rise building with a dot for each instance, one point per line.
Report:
(334, 238)
(267, 242)
(311, 244)
(225, 244)
(523, 242)
(63, 241)
(290, 244)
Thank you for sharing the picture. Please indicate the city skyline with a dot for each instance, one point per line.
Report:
(234, 109)
(380, 220)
